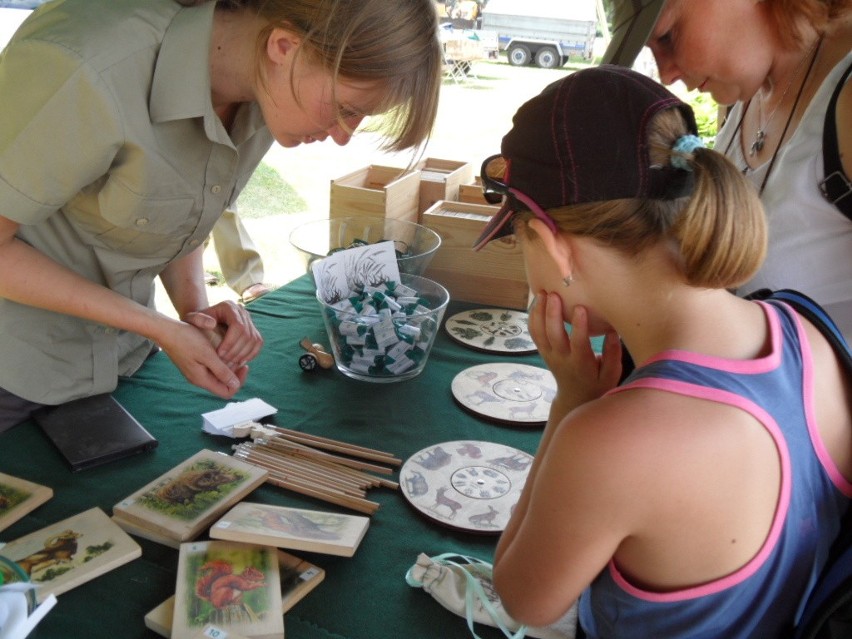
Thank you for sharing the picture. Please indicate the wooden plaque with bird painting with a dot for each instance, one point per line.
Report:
(294, 528)
(232, 586)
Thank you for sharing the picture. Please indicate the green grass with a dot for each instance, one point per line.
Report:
(268, 194)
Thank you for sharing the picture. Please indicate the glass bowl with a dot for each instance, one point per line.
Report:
(374, 341)
(415, 244)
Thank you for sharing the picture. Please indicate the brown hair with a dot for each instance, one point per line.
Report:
(392, 42)
(719, 231)
(790, 15)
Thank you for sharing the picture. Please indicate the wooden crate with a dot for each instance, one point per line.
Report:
(376, 191)
(441, 179)
(472, 192)
(493, 276)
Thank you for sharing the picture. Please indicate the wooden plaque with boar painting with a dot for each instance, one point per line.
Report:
(183, 502)
(229, 585)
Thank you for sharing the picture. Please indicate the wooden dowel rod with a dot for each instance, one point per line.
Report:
(283, 480)
(368, 479)
(318, 478)
(338, 447)
(317, 439)
(310, 470)
(316, 454)
(365, 506)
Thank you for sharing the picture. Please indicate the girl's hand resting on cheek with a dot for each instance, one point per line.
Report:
(581, 374)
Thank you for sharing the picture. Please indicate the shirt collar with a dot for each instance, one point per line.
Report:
(181, 83)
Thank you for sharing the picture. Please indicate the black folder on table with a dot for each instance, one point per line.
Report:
(93, 431)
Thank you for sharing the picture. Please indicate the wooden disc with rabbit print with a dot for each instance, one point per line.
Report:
(517, 394)
(494, 330)
(469, 485)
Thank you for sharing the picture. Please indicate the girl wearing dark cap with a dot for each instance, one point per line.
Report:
(699, 497)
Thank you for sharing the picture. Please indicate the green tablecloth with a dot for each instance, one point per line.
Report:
(363, 597)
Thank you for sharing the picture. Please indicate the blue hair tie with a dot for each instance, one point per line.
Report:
(684, 145)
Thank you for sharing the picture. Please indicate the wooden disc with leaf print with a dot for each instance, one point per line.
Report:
(493, 330)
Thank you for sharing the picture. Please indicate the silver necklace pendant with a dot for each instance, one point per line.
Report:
(757, 145)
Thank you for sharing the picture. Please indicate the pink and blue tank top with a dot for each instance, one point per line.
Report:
(762, 598)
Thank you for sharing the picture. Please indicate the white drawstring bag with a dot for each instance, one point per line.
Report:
(463, 585)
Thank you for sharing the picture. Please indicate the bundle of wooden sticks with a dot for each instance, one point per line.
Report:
(327, 469)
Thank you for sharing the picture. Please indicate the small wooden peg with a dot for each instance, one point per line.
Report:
(320, 354)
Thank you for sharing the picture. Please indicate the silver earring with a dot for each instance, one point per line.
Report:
(567, 280)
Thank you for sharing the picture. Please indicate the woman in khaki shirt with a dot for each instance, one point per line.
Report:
(128, 127)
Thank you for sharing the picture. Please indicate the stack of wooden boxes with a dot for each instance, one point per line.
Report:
(444, 196)
(377, 191)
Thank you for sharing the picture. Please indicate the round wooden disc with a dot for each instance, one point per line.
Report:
(505, 392)
(494, 330)
(469, 485)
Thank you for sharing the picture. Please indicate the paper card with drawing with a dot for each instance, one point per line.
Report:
(342, 273)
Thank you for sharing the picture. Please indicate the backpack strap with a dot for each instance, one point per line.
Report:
(812, 311)
(833, 589)
(836, 186)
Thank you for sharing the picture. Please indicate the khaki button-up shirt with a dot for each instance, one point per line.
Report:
(114, 163)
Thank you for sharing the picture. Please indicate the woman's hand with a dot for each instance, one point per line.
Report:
(581, 375)
(192, 348)
(230, 330)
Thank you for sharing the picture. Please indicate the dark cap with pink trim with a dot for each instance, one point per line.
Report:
(583, 139)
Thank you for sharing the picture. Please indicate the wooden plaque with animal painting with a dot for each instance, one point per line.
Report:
(19, 497)
(71, 552)
(187, 499)
(298, 578)
(293, 528)
(232, 586)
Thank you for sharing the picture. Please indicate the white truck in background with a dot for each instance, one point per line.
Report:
(544, 32)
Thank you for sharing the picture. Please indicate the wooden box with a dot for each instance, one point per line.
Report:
(493, 276)
(376, 191)
(472, 192)
(441, 179)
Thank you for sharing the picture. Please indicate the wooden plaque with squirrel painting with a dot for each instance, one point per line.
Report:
(232, 586)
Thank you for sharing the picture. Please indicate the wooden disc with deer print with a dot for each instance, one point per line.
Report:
(517, 394)
(469, 485)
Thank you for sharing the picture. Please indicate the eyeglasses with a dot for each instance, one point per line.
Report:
(494, 189)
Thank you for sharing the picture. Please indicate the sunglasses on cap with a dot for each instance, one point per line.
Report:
(495, 189)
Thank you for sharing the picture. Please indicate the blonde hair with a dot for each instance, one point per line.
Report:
(789, 16)
(391, 42)
(719, 231)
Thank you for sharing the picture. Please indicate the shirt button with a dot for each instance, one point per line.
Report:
(142, 221)
(215, 189)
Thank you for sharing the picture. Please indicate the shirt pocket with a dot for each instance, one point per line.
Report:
(118, 219)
